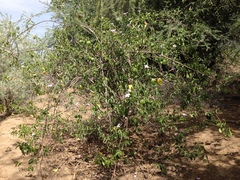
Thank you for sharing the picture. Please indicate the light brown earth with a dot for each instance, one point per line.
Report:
(67, 163)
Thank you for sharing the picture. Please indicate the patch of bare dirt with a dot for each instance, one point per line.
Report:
(9, 154)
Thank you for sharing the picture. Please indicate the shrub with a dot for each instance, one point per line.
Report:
(20, 52)
(133, 64)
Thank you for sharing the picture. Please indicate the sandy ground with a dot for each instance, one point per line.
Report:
(9, 154)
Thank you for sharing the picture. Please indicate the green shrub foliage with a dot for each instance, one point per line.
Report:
(137, 57)
(134, 58)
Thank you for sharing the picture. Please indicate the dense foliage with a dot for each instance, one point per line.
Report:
(137, 57)
(134, 58)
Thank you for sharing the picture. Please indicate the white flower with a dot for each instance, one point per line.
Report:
(127, 95)
(50, 85)
(114, 31)
(135, 175)
(184, 114)
(174, 46)
(119, 125)
(146, 66)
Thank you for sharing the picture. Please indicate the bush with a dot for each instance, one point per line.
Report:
(20, 52)
(133, 65)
